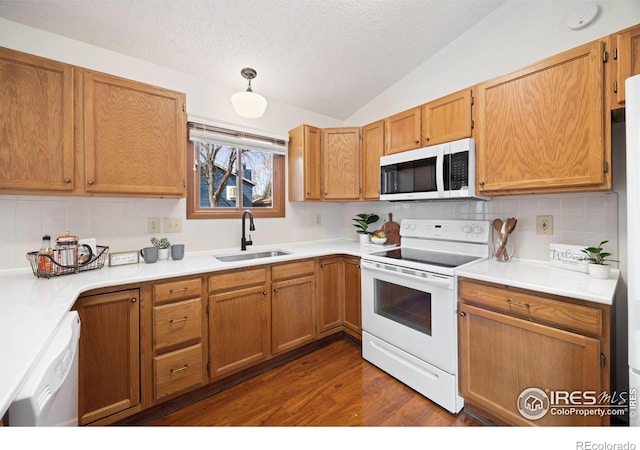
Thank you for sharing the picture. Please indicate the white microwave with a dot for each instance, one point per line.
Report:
(439, 172)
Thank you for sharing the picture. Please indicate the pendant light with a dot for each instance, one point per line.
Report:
(247, 103)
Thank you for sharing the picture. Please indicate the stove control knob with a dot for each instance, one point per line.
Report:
(477, 229)
(467, 229)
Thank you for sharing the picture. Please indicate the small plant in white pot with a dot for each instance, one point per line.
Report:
(598, 259)
(164, 247)
(362, 222)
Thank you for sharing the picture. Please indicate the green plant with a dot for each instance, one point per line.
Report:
(597, 255)
(160, 243)
(362, 222)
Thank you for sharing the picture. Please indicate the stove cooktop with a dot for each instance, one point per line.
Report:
(439, 259)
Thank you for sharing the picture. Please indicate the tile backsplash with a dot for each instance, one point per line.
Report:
(121, 223)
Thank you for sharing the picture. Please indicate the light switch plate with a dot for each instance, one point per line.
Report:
(544, 224)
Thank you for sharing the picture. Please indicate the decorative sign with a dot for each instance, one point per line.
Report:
(567, 257)
(121, 258)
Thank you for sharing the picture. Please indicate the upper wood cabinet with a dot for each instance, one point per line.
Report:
(372, 150)
(447, 119)
(134, 137)
(66, 129)
(403, 131)
(305, 170)
(625, 59)
(36, 124)
(541, 129)
(341, 163)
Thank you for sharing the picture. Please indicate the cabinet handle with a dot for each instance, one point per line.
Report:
(133, 300)
(322, 266)
(481, 183)
(275, 290)
(90, 182)
(175, 291)
(67, 180)
(521, 305)
(184, 319)
(358, 266)
(463, 314)
(181, 369)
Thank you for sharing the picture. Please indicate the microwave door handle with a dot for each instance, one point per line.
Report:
(440, 171)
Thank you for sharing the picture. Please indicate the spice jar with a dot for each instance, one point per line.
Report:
(45, 256)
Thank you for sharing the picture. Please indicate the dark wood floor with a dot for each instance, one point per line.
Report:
(332, 386)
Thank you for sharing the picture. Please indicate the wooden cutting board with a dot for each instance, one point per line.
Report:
(392, 231)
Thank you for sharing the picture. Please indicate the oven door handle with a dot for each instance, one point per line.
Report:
(429, 278)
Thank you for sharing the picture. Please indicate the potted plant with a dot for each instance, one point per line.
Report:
(362, 222)
(164, 247)
(598, 258)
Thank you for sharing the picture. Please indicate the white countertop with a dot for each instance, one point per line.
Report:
(539, 276)
(32, 308)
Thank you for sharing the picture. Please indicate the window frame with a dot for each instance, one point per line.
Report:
(195, 211)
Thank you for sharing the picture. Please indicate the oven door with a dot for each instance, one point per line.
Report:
(412, 310)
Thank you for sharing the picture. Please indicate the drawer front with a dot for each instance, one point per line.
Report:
(533, 307)
(177, 371)
(176, 290)
(290, 270)
(237, 279)
(176, 323)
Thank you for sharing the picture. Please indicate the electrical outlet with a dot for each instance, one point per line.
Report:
(544, 224)
(172, 225)
(318, 219)
(153, 225)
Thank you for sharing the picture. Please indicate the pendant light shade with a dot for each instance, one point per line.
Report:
(247, 103)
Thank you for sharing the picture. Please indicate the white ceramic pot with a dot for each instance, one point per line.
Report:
(365, 239)
(164, 253)
(599, 270)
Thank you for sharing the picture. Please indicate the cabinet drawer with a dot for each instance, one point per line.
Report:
(177, 371)
(176, 290)
(237, 279)
(298, 268)
(176, 323)
(533, 307)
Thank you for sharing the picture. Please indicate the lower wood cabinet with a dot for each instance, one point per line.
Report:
(239, 320)
(330, 309)
(109, 378)
(352, 316)
(293, 305)
(512, 340)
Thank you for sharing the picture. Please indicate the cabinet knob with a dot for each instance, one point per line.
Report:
(67, 180)
(481, 183)
(322, 266)
(463, 314)
(133, 300)
(275, 290)
(417, 142)
(90, 182)
(264, 292)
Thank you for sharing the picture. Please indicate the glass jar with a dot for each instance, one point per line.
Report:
(502, 253)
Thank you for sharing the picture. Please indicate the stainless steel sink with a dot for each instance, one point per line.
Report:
(245, 256)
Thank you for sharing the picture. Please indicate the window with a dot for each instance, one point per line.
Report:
(232, 171)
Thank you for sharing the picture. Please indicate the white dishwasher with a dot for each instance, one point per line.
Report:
(49, 396)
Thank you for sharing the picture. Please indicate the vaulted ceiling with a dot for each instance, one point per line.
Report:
(327, 56)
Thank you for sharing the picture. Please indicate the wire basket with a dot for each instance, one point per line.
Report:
(97, 262)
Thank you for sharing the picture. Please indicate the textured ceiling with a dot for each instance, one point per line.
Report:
(327, 56)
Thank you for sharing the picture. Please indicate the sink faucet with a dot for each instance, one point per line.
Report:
(244, 242)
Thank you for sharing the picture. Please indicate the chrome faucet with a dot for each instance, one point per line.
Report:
(244, 242)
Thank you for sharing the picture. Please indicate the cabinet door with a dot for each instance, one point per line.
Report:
(372, 150)
(36, 113)
(541, 129)
(292, 313)
(352, 296)
(627, 54)
(330, 294)
(402, 131)
(238, 329)
(501, 356)
(134, 138)
(109, 378)
(305, 170)
(341, 163)
(447, 119)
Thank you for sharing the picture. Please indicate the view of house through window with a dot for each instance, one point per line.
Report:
(222, 183)
(232, 172)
